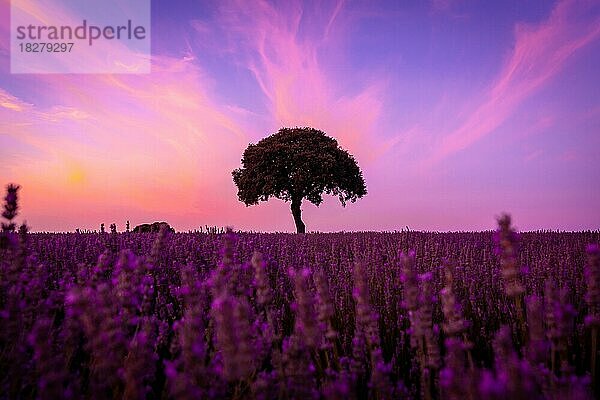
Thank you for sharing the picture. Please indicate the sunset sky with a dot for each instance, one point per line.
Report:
(455, 110)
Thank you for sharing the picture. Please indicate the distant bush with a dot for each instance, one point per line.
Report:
(151, 228)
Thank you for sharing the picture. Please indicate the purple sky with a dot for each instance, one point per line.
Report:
(455, 110)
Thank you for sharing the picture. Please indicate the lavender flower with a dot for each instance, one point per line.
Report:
(592, 277)
(234, 337)
(10, 212)
(454, 323)
(507, 242)
(455, 380)
(140, 361)
(306, 325)
(50, 365)
(10, 207)
(367, 321)
(261, 280)
(537, 347)
(325, 310)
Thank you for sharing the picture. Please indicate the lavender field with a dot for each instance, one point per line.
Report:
(212, 200)
(311, 316)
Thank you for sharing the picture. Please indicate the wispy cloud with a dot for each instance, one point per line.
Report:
(445, 6)
(139, 138)
(533, 155)
(12, 103)
(539, 53)
(281, 46)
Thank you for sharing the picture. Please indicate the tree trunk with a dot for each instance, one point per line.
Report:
(297, 213)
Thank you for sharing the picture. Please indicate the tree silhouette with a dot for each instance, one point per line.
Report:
(296, 164)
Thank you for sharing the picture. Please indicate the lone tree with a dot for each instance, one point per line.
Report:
(296, 164)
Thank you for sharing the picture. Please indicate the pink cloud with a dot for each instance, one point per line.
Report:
(281, 47)
(539, 53)
(160, 145)
(444, 6)
(127, 146)
(12, 103)
(4, 27)
(533, 155)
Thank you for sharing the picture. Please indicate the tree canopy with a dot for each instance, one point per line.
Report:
(295, 164)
